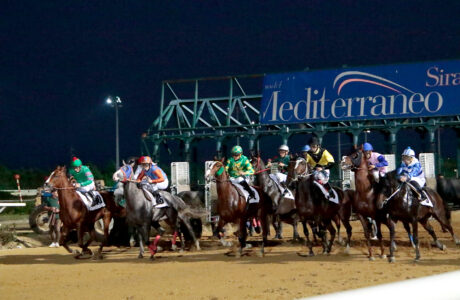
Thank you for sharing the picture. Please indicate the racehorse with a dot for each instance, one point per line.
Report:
(402, 204)
(75, 215)
(284, 209)
(233, 208)
(312, 205)
(142, 215)
(365, 201)
(301, 170)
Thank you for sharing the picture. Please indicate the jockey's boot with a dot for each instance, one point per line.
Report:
(248, 189)
(330, 190)
(157, 195)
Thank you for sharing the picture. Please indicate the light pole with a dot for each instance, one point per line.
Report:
(366, 132)
(116, 103)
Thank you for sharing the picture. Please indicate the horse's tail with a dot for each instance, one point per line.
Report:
(444, 203)
(186, 211)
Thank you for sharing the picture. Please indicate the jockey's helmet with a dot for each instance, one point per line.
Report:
(367, 147)
(76, 162)
(237, 150)
(306, 148)
(283, 148)
(408, 152)
(145, 160)
(314, 141)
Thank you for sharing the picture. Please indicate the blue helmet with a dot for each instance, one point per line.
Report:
(368, 147)
(306, 148)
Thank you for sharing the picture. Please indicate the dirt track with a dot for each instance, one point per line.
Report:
(209, 274)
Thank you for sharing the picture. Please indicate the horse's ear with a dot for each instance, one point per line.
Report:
(361, 147)
(222, 160)
(258, 153)
(124, 163)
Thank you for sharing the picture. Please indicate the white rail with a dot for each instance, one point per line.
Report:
(439, 287)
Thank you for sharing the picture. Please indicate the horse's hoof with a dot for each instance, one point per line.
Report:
(181, 250)
(248, 246)
(260, 254)
(132, 243)
(76, 252)
(417, 259)
(371, 258)
(140, 256)
(347, 250)
(174, 248)
(238, 254)
(383, 256)
(457, 242)
(159, 249)
(198, 248)
(391, 259)
(278, 237)
(152, 258)
(97, 256)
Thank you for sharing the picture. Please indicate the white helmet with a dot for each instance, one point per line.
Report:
(408, 152)
(283, 147)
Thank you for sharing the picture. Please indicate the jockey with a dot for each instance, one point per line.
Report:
(320, 160)
(377, 162)
(83, 176)
(152, 178)
(305, 150)
(411, 171)
(238, 166)
(283, 163)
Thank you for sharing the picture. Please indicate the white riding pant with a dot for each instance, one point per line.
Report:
(87, 188)
(161, 185)
(420, 180)
(377, 174)
(281, 177)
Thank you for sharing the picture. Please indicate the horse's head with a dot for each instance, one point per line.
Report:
(57, 179)
(217, 169)
(385, 188)
(125, 172)
(297, 166)
(257, 162)
(352, 161)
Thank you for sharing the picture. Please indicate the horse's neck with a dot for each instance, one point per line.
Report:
(131, 193)
(224, 186)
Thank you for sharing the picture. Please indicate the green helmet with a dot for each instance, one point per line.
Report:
(76, 162)
(237, 150)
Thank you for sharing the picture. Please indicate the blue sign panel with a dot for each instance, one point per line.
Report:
(380, 92)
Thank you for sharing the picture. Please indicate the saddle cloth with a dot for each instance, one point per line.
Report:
(426, 202)
(90, 203)
(160, 203)
(284, 191)
(326, 193)
(243, 192)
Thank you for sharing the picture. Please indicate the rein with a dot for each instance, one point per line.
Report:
(261, 171)
(392, 195)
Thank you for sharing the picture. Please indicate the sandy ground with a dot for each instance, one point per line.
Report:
(41, 273)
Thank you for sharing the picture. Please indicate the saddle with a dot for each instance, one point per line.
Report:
(154, 196)
(245, 194)
(92, 200)
(331, 195)
(285, 192)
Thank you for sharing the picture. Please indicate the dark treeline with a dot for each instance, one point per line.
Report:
(32, 178)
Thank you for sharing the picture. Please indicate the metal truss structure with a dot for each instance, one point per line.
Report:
(236, 113)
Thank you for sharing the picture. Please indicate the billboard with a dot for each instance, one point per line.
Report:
(378, 92)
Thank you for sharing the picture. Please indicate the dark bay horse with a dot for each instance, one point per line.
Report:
(232, 207)
(401, 204)
(141, 214)
(312, 205)
(365, 201)
(283, 209)
(75, 215)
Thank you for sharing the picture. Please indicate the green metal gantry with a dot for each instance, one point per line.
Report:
(237, 114)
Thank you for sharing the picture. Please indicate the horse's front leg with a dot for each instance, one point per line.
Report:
(141, 232)
(219, 233)
(65, 239)
(186, 221)
(391, 226)
(367, 236)
(378, 224)
(107, 218)
(415, 232)
(308, 243)
(265, 223)
(242, 235)
(332, 231)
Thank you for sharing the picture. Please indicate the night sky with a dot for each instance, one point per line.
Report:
(60, 60)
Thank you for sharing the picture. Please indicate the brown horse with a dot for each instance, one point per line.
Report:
(233, 208)
(74, 214)
(301, 170)
(402, 205)
(364, 200)
(283, 209)
(312, 205)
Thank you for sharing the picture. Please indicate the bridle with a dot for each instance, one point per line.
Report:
(258, 166)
